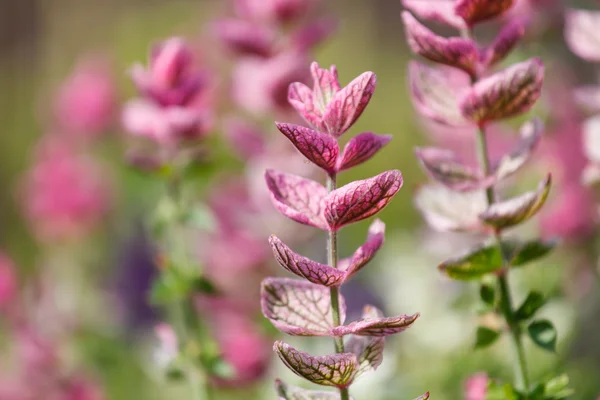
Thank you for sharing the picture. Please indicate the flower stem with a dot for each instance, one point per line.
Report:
(506, 303)
(332, 259)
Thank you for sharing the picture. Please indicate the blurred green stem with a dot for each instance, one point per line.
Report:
(506, 304)
(332, 259)
(187, 319)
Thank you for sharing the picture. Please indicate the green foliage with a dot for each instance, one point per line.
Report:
(543, 333)
(487, 294)
(474, 264)
(485, 337)
(530, 306)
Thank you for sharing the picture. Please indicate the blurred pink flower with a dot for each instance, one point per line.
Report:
(66, 194)
(247, 140)
(80, 389)
(86, 103)
(476, 387)
(244, 37)
(8, 282)
(280, 11)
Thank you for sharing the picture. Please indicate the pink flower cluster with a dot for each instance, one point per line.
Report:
(312, 306)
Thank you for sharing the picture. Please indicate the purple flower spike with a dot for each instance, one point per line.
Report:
(328, 107)
(288, 392)
(435, 90)
(475, 11)
(508, 38)
(506, 93)
(374, 324)
(320, 148)
(361, 199)
(300, 199)
(369, 351)
(306, 268)
(509, 213)
(435, 10)
(365, 253)
(360, 149)
(581, 33)
(338, 370)
(455, 52)
(299, 308)
(443, 166)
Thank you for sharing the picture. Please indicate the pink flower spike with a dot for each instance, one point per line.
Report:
(361, 199)
(365, 253)
(435, 91)
(299, 308)
(299, 199)
(288, 392)
(476, 11)
(306, 268)
(455, 52)
(505, 94)
(338, 370)
(581, 33)
(436, 10)
(507, 39)
(360, 149)
(244, 38)
(374, 324)
(321, 149)
(313, 34)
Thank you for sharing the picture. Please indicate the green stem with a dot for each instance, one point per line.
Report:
(332, 259)
(506, 303)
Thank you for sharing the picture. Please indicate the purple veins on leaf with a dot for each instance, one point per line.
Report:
(581, 33)
(338, 370)
(326, 275)
(369, 351)
(373, 324)
(360, 149)
(441, 11)
(299, 308)
(328, 107)
(512, 212)
(288, 392)
(455, 52)
(504, 94)
(475, 11)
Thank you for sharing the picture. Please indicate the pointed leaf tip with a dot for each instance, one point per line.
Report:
(361, 148)
(442, 12)
(374, 324)
(476, 11)
(289, 392)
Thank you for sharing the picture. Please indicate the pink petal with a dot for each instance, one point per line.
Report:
(301, 98)
(455, 52)
(374, 324)
(435, 10)
(326, 85)
(506, 93)
(365, 253)
(306, 268)
(320, 148)
(298, 308)
(298, 198)
(475, 11)
(349, 103)
(360, 149)
(361, 199)
(435, 92)
(336, 370)
(509, 213)
(245, 37)
(581, 33)
(509, 37)
(288, 392)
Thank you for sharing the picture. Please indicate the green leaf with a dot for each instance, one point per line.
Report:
(169, 287)
(543, 334)
(558, 388)
(474, 264)
(201, 217)
(203, 285)
(532, 250)
(501, 392)
(533, 302)
(485, 337)
(487, 294)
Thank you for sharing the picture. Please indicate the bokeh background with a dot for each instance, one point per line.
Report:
(103, 279)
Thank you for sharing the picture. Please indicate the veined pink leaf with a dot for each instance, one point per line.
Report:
(245, 37)
(306, 268)
(435, 92)
(531, 133)
(581, 33)
(361, 148)
(289, 392)
(443, 166)
(320, 148)
(349, 103)
(436, 10)
(447, 210)
(510, 35)
(300, 97)
(326, 85)
(423, 397)
(361, 199)
(475, 11)
(369, 351)
(366, 252)
(374, 324)
(505, 94)
(455, 52)
(300, 199)
(512, 212)
(336, 370)
(299, 308)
